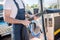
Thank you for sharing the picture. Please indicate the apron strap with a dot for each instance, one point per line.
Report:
(23, 3)
(17, 4)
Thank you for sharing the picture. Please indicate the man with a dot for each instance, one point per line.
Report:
(15, 14)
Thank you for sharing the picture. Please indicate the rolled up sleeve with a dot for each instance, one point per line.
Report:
(7, 4)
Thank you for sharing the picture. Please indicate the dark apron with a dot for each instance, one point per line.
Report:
(19, 30)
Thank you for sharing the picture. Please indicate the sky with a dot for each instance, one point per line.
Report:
(45, 2)
(30, 2)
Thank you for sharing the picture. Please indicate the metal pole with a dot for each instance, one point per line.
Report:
(41, 2)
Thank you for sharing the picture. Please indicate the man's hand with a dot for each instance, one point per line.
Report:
(26, 22)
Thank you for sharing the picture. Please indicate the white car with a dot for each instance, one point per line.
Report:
(5, 29)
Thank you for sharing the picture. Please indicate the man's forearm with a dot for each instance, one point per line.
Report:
(8, 19)
(13, 21)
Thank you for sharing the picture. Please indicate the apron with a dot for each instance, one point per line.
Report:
(19, 30)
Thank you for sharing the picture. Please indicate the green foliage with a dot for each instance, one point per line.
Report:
(53, 6)
(34, 6)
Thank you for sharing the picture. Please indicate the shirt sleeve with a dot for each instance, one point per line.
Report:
(7, 4)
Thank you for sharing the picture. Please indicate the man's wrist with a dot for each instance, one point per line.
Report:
(21, 21)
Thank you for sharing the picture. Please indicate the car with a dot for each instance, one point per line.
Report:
(5, 28)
